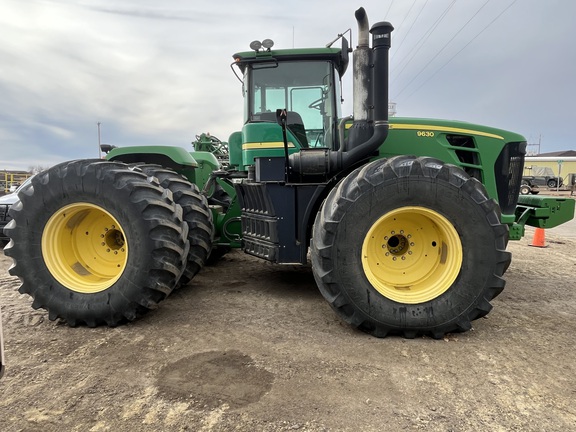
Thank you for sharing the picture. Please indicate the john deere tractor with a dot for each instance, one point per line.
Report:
(405, 222)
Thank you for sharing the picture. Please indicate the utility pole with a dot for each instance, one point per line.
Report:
(534, 146)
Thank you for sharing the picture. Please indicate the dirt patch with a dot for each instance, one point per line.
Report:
(216, 378)
(252, 346)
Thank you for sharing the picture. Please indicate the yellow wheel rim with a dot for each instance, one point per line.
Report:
(412, 255)
(84, 248)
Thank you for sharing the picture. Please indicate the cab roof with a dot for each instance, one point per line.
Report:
(334, 55)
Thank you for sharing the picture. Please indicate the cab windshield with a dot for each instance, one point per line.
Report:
(306, 89)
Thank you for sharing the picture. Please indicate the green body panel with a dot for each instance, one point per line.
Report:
(195, 166)
(264, 140)
(235, 149)
(228, 224)
(174, 156)
(207, 163)
(430, 137)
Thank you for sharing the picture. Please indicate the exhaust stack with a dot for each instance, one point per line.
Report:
(370, 128)
(381, 43)
(362, 128)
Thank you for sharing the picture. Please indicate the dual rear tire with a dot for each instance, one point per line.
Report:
(97, 242)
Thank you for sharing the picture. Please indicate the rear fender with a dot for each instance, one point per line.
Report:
(172, 157)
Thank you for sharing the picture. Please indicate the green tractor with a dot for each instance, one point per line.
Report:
(405, 222)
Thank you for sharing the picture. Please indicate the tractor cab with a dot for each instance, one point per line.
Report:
(304, 82)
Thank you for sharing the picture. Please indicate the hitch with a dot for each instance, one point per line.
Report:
(541, 212)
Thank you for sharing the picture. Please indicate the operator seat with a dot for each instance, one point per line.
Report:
(294, 123)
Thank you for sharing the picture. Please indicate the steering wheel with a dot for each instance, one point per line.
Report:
(316, 104)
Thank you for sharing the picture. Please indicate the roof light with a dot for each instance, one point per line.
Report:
(268, 43)
(255, 45)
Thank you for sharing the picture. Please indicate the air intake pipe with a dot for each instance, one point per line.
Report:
(370, 90)
(362, 128)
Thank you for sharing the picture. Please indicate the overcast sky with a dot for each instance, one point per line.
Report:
(158, 72)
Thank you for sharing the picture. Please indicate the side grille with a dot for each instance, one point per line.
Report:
(467, 153)
(508, 175)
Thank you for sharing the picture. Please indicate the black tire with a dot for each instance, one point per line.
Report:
(216, 254)
(392, 193)
(524, 189)
(551, 183)
(218, 196)
(196, 214)
(94, 242)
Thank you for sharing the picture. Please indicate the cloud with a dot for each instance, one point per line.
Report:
(159, 72)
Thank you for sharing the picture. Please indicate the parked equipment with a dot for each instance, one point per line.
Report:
(542, 176)
(405, 222)
(526, 188)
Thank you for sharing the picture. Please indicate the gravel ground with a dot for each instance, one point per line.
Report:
(251, 346)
